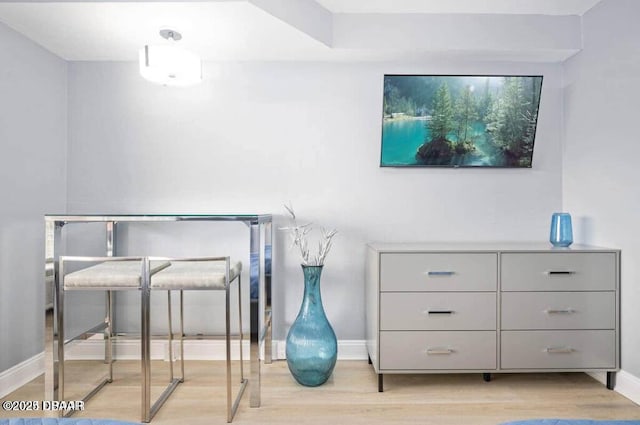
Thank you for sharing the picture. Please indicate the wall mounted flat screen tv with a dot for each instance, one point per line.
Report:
(459, 120)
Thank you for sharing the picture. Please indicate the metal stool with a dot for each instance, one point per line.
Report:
(112, 274)
(205, 274)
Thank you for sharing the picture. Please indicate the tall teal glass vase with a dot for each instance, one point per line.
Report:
(312, 347)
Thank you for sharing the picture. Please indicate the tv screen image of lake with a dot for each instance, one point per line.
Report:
(459, 121)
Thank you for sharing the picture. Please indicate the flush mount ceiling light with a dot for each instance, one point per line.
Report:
(168, 64)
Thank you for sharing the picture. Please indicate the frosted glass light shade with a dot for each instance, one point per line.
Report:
(170, 66)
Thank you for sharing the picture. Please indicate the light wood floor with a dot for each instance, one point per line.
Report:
(350, 397)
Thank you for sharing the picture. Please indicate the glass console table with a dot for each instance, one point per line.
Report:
(260, 236)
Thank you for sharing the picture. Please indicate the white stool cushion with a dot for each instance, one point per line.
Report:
(112, 274)
(195, 275)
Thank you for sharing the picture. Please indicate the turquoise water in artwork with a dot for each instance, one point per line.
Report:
(402, 138)
(400, 141)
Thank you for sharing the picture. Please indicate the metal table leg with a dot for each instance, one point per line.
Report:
(255, 280)
(53, 232)
(268, 323)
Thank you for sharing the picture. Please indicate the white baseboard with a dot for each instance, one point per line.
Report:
(93, 349)
(599, 376)
(18, 375)
(347, 349)
(627, 384)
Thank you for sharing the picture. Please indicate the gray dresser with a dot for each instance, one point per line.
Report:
(485, 308)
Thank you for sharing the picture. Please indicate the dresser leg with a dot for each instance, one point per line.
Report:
(611, 380)
(380, 383)
(369, 358)
(486, 377)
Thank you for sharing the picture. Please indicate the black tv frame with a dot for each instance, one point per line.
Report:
(418, 165)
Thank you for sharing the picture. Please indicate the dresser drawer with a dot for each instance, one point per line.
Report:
(580, 271)
(558, 310)
(437, 311)
(437, 350)
(593, 349)
(438, 272)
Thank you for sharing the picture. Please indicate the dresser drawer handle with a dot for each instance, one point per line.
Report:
(439, 311)
(560, 272)
(439, 351)
(563, 311)
(440, 273)
(559, 350)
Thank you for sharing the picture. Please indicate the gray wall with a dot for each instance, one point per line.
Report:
(256, 135)
(33, 132)
(602, 88)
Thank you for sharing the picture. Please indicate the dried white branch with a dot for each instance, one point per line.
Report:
(299, 233)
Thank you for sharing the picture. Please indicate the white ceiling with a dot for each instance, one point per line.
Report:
(233, 30)
(222, 30)
(520, 7)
